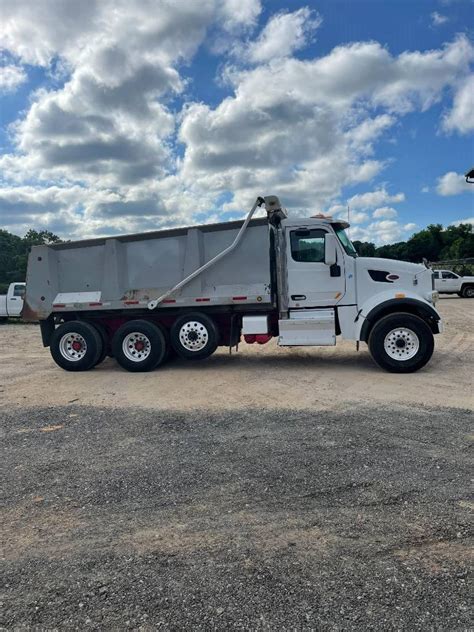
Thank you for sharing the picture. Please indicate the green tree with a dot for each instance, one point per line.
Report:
(365, 248)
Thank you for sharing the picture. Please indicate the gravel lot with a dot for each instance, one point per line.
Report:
(318, 493)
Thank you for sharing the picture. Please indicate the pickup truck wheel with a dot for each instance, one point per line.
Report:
(139, 346)
(467, 291)
(194, 336)
(401, 343)
(76, 346)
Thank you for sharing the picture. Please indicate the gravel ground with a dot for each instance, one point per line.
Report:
(350, 519)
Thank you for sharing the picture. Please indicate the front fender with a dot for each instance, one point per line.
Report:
(385, 303)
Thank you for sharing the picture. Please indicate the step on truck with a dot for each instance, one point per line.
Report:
(187, 291)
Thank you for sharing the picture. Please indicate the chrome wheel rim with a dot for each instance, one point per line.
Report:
(136, 347)
(193, 336)
(401, 344)
(72, 347)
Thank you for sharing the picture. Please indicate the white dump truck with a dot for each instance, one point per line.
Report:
(11, 303)
(190, 290)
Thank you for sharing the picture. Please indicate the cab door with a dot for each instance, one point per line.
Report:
(449, 281)
(312, 283)
(15, 299)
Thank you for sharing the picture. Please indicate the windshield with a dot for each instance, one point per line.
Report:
(345, 241)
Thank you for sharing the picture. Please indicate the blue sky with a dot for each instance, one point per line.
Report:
(127, 116)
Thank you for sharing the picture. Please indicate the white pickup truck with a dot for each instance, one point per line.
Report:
(11, 303)
(447, 282)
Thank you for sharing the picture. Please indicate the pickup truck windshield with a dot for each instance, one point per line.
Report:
(345, 241)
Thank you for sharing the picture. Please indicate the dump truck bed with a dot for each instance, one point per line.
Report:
(126, 272)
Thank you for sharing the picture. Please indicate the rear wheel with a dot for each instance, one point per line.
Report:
(139, 346)
(76, 346)
(467, 291)
(194, 336)
(105, 342)
(401, 343)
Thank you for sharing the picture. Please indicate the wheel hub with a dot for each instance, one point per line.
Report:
(136, 346)
(72, 347)
(401, 344)
(193, 336)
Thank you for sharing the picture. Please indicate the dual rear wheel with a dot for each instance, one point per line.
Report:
(137, 345)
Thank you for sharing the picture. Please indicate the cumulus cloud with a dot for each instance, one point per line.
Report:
(284, 34)
(466, 220)
(453, 183)
(11, 77)
(104, 144)
(385, 212)
(460, 118)
(373, 199)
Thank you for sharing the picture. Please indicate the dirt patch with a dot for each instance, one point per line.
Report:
(257, 376)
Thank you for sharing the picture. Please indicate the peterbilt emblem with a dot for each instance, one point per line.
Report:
(392, 277)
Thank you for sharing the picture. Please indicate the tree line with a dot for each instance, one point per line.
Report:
(14, 252)
(433, 243)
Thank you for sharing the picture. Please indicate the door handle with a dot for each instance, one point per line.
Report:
(298, 297)
(12, 298)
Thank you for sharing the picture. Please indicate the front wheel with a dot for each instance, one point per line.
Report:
(401, 343)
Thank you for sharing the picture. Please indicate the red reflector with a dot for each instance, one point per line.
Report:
(169, 300)
(202, 300)
(95, 304)
(239, 298)
(59, 305)
(131, 302)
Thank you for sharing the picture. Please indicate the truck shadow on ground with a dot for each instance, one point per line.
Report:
(271, 362)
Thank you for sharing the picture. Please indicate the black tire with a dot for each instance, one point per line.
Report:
(402, 343)
(76, 332)
(467, 291)
(144, 359)
(194, 330)
(104, 336)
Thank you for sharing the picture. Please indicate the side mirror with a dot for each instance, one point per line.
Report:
(330, 249)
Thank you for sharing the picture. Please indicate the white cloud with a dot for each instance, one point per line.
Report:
(425, 189)
(466, 220)
(284, 34)
(410, 226)
(373, 199)
(106, 138)
(437, 18)
(11, 77)
(385, 212)
(453, 183)
(461, 118)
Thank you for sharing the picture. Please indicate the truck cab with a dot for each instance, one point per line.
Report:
(331, 290)
(11, 303)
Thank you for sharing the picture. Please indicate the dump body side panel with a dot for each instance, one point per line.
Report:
(126, 272)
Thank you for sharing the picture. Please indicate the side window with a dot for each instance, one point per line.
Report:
(449, 275)
(436, 275)
(19, 290)
(307, 245)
